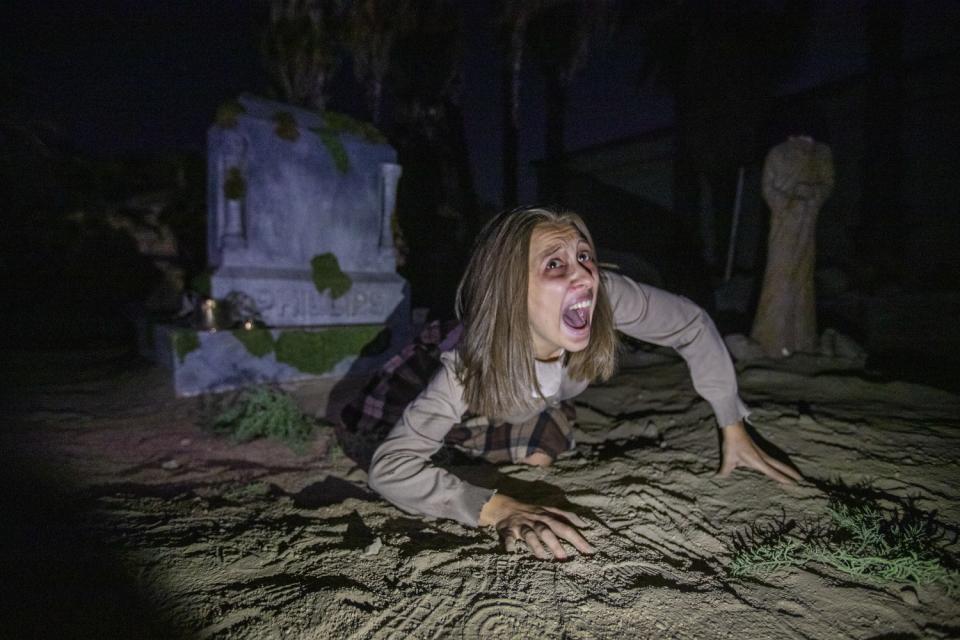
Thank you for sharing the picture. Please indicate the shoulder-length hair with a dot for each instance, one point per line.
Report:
(496, 350)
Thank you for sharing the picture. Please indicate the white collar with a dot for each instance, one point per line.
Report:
(549, 376)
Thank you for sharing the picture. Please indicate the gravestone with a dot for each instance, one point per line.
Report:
(311, 189)
(300, 211)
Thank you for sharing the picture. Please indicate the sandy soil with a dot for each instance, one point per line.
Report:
(123, 518)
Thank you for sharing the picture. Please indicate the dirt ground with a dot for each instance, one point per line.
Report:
(122, 517)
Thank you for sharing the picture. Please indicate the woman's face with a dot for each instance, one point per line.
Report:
(561, 291)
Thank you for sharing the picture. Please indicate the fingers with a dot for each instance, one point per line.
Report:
(572, 517)
(509, 541)
(544, 534)
(757, 459)
(729, 464)
(529, 537)
(747, 454)
(568, 533)
(533, 542)
(784, 468)
(766, 469)
(553, 543)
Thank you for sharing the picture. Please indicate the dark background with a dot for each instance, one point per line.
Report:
(104, 108)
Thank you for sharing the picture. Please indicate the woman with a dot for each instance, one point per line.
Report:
(539, 321)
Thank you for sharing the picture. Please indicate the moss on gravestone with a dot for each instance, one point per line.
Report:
(319, 351)
(327, 275)
(258, 342)
(235, 186)
(184, 341)
(201, 283)
(331, 140)
(227, 114)
(286, 126)
(342, 123)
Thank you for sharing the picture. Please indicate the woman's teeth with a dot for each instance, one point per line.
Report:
(577, 315)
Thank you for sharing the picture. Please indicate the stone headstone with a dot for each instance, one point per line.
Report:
(300, 209)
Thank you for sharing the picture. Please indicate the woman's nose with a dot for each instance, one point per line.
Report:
(582, 275)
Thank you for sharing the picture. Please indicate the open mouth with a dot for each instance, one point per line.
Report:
(577, 315)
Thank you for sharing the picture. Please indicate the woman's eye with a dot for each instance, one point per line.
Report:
(554, 264)
(584, 257)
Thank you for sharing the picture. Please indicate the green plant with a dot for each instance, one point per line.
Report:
(338, 123)
(258, 342)
(338, 152)
(235, 186)
(286, 126)
(185, 341)
(342, 123)
(227, 114)
(266, 413)
(327, 275)
(860, 540)
(320, 351)
(200, 283)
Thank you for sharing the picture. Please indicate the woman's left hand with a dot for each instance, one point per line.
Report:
(739, 450)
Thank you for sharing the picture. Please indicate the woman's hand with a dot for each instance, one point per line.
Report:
(541, 528)
(739, 450)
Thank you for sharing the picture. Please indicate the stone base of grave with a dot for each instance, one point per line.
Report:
(215, 361)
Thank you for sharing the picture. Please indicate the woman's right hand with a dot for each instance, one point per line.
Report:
(540, 528)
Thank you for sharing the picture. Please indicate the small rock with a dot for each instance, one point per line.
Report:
(374, 547)
(837, 345)
(170, 465)
(186, 442)
(909, 596)
(743, 348)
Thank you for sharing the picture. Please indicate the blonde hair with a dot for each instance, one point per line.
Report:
(496, 350)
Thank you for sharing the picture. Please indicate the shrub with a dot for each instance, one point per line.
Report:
(266, 413)
(861, 540)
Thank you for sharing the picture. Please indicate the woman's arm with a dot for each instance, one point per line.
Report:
(653, 315)
(401, 470)
(656, 316)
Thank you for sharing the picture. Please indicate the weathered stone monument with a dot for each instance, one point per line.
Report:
(797, 180)
(300, 206)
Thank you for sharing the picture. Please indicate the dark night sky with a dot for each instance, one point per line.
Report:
(122, 76)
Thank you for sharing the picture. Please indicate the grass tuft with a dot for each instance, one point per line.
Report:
(860, 539)
(263, 412)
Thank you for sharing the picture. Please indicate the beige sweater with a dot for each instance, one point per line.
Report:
(401, 470)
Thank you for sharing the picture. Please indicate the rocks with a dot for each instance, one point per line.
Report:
(909, 596)
(743, 348)
(836, 345)
(831, 344)
(374, 547)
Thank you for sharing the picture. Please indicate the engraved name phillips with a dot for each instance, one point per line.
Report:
(295, 303)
